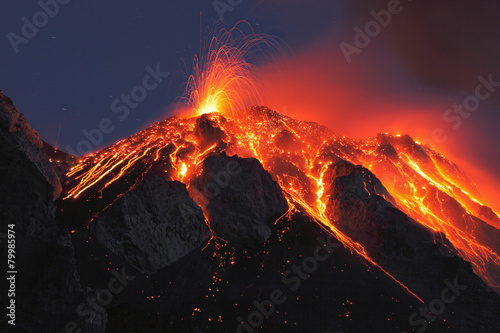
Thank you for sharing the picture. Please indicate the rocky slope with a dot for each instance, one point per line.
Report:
(241, 199)
(152, 226)
(47, 289)
(234, 247)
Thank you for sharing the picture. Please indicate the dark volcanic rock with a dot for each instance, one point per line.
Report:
(340, 295)
(388, 150)
(48, 288)
(366, 183)
(241, 199)
(415, 255)
(358, 202)
(288, 141)
(60, 160)
(152, 226)
(207, 128)
(16, 130)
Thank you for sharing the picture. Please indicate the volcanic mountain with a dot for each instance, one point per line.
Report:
(246, 222)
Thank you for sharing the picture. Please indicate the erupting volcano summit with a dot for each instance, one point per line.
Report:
(241, 219)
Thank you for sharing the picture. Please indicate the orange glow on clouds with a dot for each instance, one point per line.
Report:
(361, 100)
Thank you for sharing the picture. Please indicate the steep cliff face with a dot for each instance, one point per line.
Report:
(48, 288)
(16, 130)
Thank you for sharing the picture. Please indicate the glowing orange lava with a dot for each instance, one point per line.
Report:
(223, 80)
(223, 85)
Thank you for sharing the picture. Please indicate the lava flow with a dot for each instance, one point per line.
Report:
(425, 185)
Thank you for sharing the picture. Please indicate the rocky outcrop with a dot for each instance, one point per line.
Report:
(152, 226)
(241, 199)
(208, 130)
(365, 211)
(360, 207)
(48, 288)
(16, 130)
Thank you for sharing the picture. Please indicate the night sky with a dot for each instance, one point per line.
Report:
(66, 76)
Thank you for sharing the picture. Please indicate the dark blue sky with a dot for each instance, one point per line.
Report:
(82, 59)
(91, 52)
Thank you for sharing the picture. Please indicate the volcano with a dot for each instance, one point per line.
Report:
(246, 222)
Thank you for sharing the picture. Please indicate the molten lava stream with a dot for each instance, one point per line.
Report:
(346, 241)
(417, 189)
(295, 196)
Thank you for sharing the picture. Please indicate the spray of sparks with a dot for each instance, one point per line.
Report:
(223, 79)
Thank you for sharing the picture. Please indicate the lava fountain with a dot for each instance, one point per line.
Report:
(223, 78)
